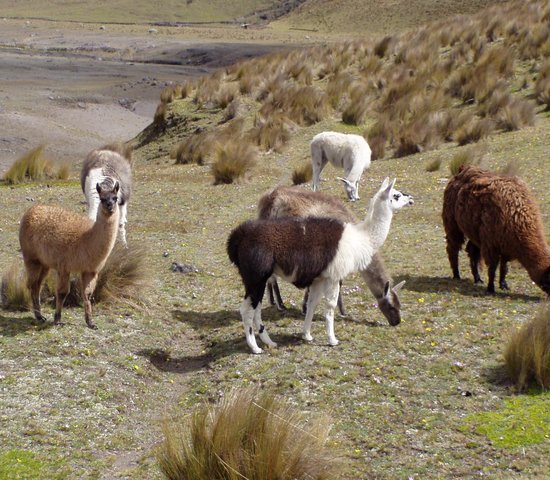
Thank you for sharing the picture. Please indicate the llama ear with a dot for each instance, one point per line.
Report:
(385, 183)
(345, 180)
(399, 286)
(98, 187)
(386, 289)
(117, 186)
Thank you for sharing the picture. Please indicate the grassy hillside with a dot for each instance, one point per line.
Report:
(368, 17)
(129, 11)
(426, 399)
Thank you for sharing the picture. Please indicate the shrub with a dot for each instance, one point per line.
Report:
(168, 94)
(542, 85)
(527, 355)
(248, 434)
(34, 166)
(14, 294)
(302, 174)
(234, 160)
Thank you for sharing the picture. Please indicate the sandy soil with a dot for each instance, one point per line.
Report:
(74, 87)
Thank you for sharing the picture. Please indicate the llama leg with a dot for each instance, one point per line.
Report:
(332, 289)
(314, 296)
(340, 301)
(36, 273)
(492, 264)
(247, 315)
(304, 301)
(122, 224)
(503, 272)
(455, 239)
(275, 294)
(88, 286)
(62, 290)
(475, 257)
(260, 327)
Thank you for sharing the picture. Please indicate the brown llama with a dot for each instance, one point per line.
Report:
(502, 221)
(285, 201)
(54, 238)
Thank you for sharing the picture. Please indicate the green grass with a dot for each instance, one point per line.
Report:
(520, 422)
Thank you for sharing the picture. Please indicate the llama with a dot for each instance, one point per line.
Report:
(54, 238)
(110, 161)
(348, 151)
(502, 221)
(297, 202)
(308, 252)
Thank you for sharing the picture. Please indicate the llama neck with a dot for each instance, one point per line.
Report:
(102, 235)
(536, 260)
(377, 224)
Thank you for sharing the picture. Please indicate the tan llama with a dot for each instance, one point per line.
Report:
(54, 238)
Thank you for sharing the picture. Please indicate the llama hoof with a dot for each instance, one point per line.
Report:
(93, 326)
(504, 286)
(40, 318)
(478, 281)
(59, 324)
(257, 350)
(333, 342)
(271, 344)
(307, 337)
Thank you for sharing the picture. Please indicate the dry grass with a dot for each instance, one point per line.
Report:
(273, 132)
(233, 161)
(14, 294)
(248, 434)
(527, 354)
(302, 174)
(473, 155)
(194, 149)
(35, 166)
(159, 119)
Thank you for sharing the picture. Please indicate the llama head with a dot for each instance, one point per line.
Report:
(545, 281)
(390, 305)
(108, 196)
(351, 189)
(398, 200)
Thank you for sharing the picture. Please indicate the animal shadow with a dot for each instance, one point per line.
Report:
(465, 287)
(13, 326)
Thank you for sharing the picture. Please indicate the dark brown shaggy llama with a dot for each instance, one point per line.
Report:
(501, 219)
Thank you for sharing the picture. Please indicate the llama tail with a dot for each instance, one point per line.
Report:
(233, 243)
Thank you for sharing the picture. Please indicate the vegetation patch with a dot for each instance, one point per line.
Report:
(522, 421)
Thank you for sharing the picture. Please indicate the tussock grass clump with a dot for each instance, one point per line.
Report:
(377, 137)
(14, 294)
(249, 435)
(272, 132)
(168, 94)
(358, 105)
(125, 277)
(518, 113)
(527, 355)
(159, 119)
(474, 130)
(34, 166)
(233, 161)
(467, 156)
(302, 174)
(434, 165)
(195, 148)
(542, 85)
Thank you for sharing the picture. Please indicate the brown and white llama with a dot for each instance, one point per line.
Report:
(295, 201)
(54, 238)
(308, 252)
(107, 164)
(502, 221)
